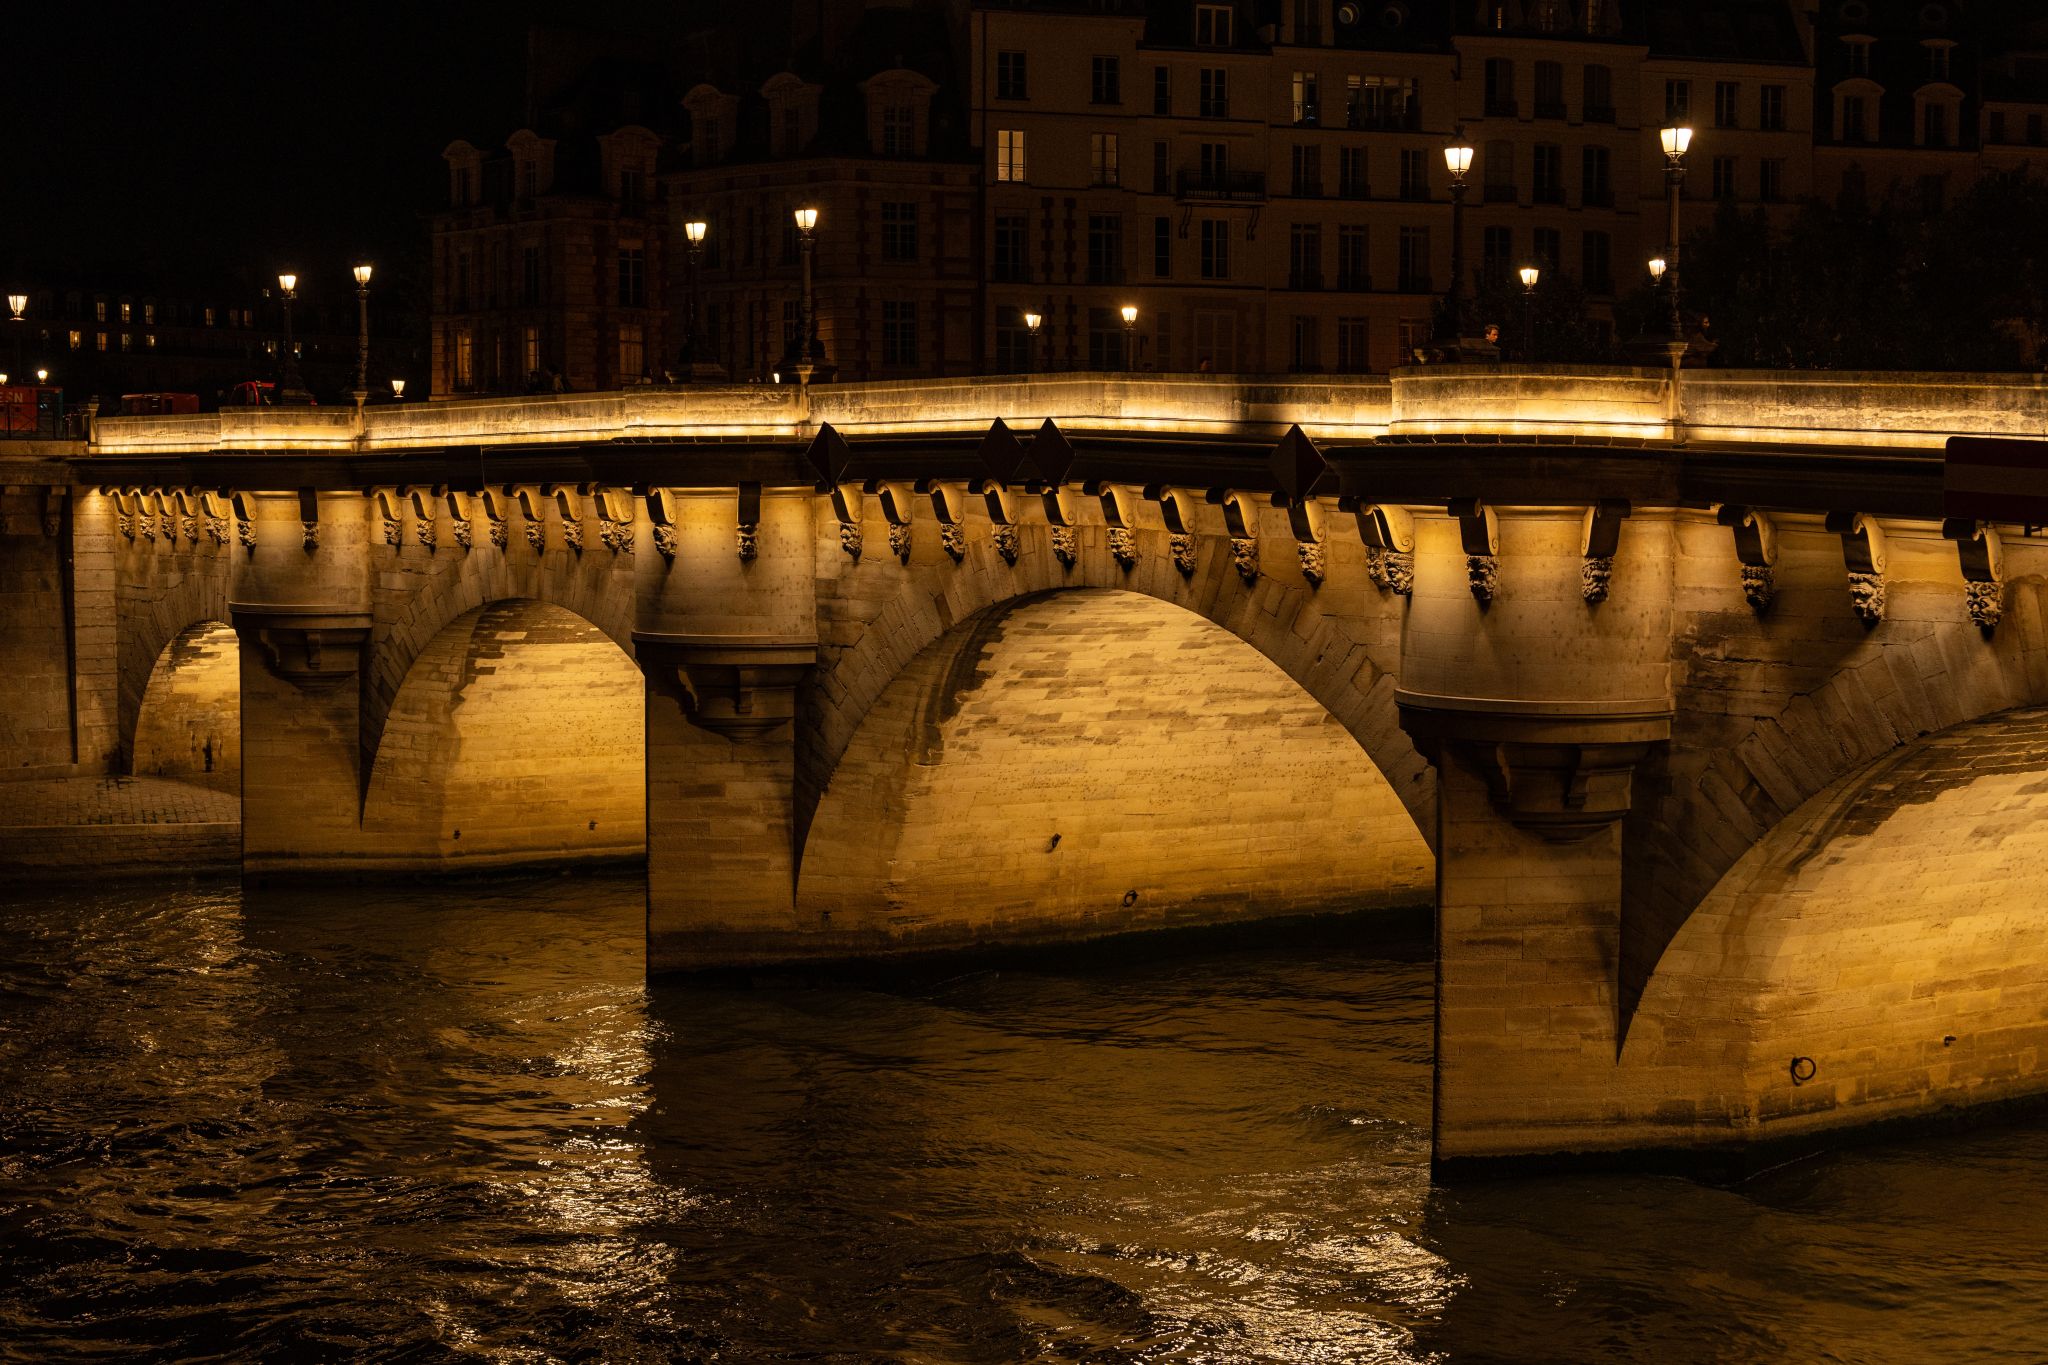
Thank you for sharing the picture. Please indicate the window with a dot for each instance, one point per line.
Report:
(529, 178)
(1354, 269)
(1009, 75)
(149, 341)
(1012, 263)
(1105, 340)
(1383, 103)
(1306, 107)
(1162, 247)
(1994, 126)
(789, 324)
(462, 279)
(1549, 93)
(1414, 174)
(1725, 94)
(1415, 260)
(1306, 165)
(1934, 125)
(149, 314)
(1102, 158)
(1770, 113)
(1216, 340)
(1351, 177)
(1215, 93)
(99, 310)
(209, 315)
(1500, 87)
(1215, 164)
(465, 358)
(1010, 154)
(1215, 249)
(100, 340)
(1305, 256)
(77, 339)
(632, 187)
(1162, 178)
(529, 351)
(899, 231)
(127, 312)
(1546, 164)
(1496, 254)
(1014, 342)
(704, 146)
(1162, 91)
(1857, 50)
(1302, 351)
(1351, 348)
(1500, 172)
(1308, 21)
(1937, 60)
(1724, 177)
(1596, 256)
(1105, 81)
(1105, 248)
(1851, 126)
(632, 350)
(1546, 247)
(899, 332)
(459, 188)
(1678, 100)
(1770, 180)
(1596, 178)
(1597, 89)
(632, 277)
(899, 131)
(1213, 26)
(791, 240)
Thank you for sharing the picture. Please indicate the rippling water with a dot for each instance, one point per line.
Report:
(435, 1124)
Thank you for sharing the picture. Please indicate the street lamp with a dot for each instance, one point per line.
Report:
(1031, 324)
(291, 390)
(1676, 140)
(1130, 312)
(1530, 274)
(1657, 270)
(18, 304)
(698, 363)
(397, 390)
(1450, 325)
(807, 238)
(362, 274)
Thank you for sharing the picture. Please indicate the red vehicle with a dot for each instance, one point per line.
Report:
(145, 404)
(251, 393)
(31, 409)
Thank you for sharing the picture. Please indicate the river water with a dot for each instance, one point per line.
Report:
(439, 1123)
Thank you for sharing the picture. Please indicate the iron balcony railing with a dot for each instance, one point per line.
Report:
(1227, 187)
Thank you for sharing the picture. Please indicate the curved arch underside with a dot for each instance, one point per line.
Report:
(1884, 931)
(1089, 762)
(516, 737)
(188, 721)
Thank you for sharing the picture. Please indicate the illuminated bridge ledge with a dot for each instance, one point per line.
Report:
(1913, 411)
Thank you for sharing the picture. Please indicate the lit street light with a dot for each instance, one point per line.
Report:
(1031, 324)
(397, 390)
(291, 390)
(1450, 323)
(1530, 274)
(695, 363)
(362, 274)
(1130, 312)
(807, 230)
(17, 304)
(1676, 140)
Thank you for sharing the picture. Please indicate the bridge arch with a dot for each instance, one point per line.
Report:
(1339, 644)
(516, 736)
(160, 607)
(1878, 933)
(188, 722)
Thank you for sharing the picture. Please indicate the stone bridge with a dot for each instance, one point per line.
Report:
(1720, 749)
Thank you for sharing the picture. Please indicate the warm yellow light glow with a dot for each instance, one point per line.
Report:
(398, 388)
(1031, 321)
(3, 379)
(1530, 274)
(1657, 268)
(362, 273)
(1676, 140)
(695, 230)
(806, 218)
(1130, 312)
(287, 282)
(1458, 159)
(42, 376)
(17, 302)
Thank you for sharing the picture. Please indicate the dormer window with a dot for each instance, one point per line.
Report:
(792, 114)
(1214, 26)
(1857, 49)
(1938, 50)
(529, 179)
(461, 191)
(898, 106)
(898, 131)
(632, 186)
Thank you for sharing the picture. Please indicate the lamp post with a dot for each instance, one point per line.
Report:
(1530, 274)
(397, 390)
(1032, 322)
(807, 238)
(1450, 327)
(17, 304)
(1676, 140)
(362, 390)
(693, 235)
(1130, 312)
(291, 390)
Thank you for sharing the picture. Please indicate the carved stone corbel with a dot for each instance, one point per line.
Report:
(214, 512)
(1177, 510)
(1117, 520)
(1479, 535)
(426, 520)
(54, 499)
(312, 646)
(494, 516)
(661, 513)
(946, 506)
(746, 536)
(1388, 534)
(848, 502)
(309, 518)
(145, 512)
(1059, 516)
(896, 510)
(1863, 555)
(1982, 556)
(188, 516)
(245, 525)
(1756, 549)
(1599, 539)
(388, 512)
(1002, 517)
(615, 529)
(732, 685)
(532, 512)
(1241, 524)
(569, 502)
(126, 506)
(460, 522)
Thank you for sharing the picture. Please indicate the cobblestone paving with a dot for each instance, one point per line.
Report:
(114, 801)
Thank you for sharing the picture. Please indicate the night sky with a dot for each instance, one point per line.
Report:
(157, 144)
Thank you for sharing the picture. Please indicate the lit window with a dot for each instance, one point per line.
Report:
(209, 316)
(1010, 154)
(529, 350)
(465, 356)
(149, 341)
(149, 312)
(127, 341)
(99, 310)
(127, 312)
(100, 339)
(77, 339)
